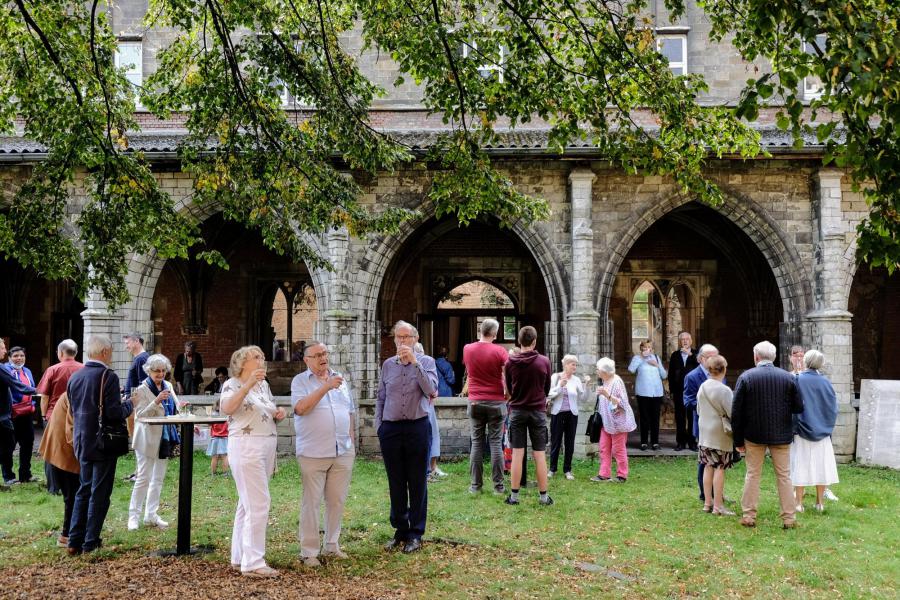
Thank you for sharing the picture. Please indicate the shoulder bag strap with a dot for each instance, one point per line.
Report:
(100, 403)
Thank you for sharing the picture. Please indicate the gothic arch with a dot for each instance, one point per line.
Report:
(783, 259)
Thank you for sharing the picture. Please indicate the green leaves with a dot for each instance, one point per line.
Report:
(845, 54)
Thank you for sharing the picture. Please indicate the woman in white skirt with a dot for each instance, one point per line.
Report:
(248, 401)
(152, 444)
(812, 455)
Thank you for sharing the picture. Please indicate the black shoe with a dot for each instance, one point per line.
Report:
(621, 480)
(509, 500)
(547, 502)
(693, 447)
(655, 446)
(413, 545)
(679, 448)
(394, 544)
(643, 446)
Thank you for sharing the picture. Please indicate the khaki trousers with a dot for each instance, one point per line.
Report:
(327, 478)
(781, 461)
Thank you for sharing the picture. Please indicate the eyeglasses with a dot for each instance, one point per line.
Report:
(405, 337)
(157, 370)
(318, 355)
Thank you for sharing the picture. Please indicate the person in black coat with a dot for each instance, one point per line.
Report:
(682, 362)
(765, 400)
(7, 429)
(97, 469)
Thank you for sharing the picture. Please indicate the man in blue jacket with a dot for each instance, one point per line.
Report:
(97, 470)
(7, 430)
(692, 383)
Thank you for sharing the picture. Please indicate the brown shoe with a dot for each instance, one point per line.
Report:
(748, 522)
(74, 551)
(791, 525)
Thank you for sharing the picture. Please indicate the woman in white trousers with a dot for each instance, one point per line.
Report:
(151, 443)
(248, 401)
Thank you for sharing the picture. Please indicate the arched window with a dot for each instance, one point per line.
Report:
(477, 300)
(293, 328)
(646, 317)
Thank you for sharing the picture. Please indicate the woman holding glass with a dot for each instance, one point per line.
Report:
(152, 444)
(248, 401)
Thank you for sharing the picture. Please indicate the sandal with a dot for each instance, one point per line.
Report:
(261, 572)
(722, 512)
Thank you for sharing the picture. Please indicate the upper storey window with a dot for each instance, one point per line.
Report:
(488, 69)
(673, 46)
(812, 85)
(129, 56)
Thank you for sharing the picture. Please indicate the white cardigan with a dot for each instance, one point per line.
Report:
(576, 390)
(145, 438)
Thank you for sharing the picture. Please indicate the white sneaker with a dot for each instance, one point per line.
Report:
(133, 524)
(550, 474)
(156, 522)
(437, 471)
(569, 476)
(820, 508)
(799, 508)
(829, 495)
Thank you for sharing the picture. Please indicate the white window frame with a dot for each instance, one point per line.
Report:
(135, 71)
(681, 37)
(812, 85)
(472, 47)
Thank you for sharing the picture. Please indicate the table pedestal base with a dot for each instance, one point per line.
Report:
(190, 551)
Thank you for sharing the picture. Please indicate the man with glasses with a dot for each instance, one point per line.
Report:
(407, 383)
(325, 423)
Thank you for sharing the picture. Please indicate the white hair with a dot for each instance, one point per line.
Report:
(607, 365)
(813, 359)
(569, 358)
(765, 350)
(707, 350)
(400, 324)
(96, 344)
(155, 362)
(419, 348)
(67, 347)
(489, 327)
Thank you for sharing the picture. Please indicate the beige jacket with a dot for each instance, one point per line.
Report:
(145, 438)
(714, 403)
(56, 443)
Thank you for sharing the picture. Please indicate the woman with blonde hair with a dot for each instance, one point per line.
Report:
(716, 442)
(252, 438)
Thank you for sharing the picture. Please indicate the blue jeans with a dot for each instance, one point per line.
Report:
(91, 503)
(405, 446)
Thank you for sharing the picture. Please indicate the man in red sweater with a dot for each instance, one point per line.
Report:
(528, 381)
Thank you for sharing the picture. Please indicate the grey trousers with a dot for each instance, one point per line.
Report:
(486, 415)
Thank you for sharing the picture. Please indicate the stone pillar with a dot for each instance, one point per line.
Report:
(100, 320)
(582, 321)
(829, 326)
(338, 319)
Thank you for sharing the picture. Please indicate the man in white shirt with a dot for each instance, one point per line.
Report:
(324, 422)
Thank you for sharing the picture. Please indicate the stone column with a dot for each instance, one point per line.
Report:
(338, 317)
(100, 320)
(582, 321)
(829, 326)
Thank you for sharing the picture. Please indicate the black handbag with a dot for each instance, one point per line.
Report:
(112, 438)
(594, 424)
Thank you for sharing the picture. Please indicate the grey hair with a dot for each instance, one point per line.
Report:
(489, 327)
(813, 359)
(419, 348)
(607, 365)
(569, 358)
(157, 361)
(400, 324)
(68, 347)
(765, 350)
(707, 350)
(96, 344)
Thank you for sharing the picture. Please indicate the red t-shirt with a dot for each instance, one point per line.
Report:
(484, 364)
(55, 380)
(218, 430)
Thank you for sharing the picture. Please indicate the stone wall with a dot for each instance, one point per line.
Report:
(452, 420)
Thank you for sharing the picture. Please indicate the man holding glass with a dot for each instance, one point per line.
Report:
(401, 419)
(324, 422)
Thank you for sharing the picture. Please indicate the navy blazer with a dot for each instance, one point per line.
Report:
(84, 403)
(8, 382)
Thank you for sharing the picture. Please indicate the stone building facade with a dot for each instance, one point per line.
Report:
(621, 257)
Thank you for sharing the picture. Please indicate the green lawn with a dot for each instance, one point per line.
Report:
(646, 538)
